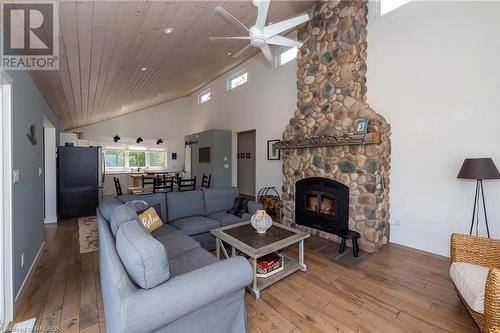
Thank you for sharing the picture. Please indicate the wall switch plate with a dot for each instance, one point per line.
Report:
(15, 176)
(226, 166)
(40, 170)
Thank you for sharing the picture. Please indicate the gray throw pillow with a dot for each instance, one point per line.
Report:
(119, 215)
(144, 258)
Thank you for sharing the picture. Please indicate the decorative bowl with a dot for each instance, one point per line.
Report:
(261, 221)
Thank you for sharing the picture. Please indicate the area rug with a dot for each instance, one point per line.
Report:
(87, 231)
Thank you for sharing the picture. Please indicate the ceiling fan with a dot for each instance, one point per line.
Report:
(260, 35)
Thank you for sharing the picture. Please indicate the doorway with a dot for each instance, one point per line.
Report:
(6, 285)
(50, 176)
(187, 161)
(246, 163)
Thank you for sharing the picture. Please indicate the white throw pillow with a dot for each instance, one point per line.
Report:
(470, 281)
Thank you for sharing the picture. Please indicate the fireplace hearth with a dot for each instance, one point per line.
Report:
(323, 204)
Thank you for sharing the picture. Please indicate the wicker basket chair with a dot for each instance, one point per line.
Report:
(484, 252)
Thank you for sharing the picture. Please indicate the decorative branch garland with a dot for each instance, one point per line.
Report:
(347, 139)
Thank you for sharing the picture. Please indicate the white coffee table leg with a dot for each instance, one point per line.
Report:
(303, 266)
(217, 248)
(254, 282)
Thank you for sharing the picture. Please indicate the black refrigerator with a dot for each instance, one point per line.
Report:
(80, 179)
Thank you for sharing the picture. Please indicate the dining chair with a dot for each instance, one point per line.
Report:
(118, 187)
(147, 181)
(205, 181)
(164, 184)
(187, 184)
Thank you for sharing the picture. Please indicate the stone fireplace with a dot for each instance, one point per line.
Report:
(331, 98)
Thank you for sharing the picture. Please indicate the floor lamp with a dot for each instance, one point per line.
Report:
(479, 169)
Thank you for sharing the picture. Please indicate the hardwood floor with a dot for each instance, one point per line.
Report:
(397, 289)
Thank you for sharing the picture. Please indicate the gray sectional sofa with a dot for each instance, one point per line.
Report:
(166, 280)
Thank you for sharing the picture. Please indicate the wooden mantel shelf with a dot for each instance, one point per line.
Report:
(331, 141)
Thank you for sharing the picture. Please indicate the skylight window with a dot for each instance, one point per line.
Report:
(287, 55)
(237, 79)
(387, 6)
(205, 96)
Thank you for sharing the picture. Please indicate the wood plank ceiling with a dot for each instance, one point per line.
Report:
(104, 44)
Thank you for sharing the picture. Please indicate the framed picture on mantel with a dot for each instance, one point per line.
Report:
(362, 126)
(273, 153)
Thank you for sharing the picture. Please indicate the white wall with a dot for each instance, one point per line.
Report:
(168, 121)
(266, 103)
(433, 72)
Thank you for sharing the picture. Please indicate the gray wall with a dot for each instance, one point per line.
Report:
(29, 107)
(246, 166)
(219, 142)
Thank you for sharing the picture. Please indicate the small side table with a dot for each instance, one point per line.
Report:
(353, 236)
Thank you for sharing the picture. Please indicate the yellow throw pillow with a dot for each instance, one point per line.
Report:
(150, 219)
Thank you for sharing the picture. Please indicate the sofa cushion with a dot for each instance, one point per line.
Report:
(190, 261)
(163, 230)
(177, 243)
(106, 206)
(119, 215)
(152, 199)
(219, 199)
(253, 207)
(185, 204)
(470, 281)
(195, 225)
(144, 258)
(227, 219)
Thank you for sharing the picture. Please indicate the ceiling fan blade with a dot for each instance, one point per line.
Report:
(277, 28)
(230, 17)
(240, 52)
(213, 39)
(267, 52)
(262, 10)
(283, 41)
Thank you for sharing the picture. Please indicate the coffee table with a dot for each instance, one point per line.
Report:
(243, 237)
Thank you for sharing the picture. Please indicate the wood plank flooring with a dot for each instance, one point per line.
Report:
(397, 289)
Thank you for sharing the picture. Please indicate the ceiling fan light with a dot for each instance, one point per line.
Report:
(168, 30)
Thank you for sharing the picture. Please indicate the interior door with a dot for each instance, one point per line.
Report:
(246, 163)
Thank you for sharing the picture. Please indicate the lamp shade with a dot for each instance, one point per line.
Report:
(478, 168)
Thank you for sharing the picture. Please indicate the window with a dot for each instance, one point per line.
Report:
(237, 79)
(205, 96)
(286, 55)
(115, 158)
(137, 159)
(123, 159)
(387, 6)
(157, 159)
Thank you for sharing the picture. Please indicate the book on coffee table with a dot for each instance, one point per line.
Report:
(269, 264)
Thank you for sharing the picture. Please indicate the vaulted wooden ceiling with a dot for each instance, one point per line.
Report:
(104, 44)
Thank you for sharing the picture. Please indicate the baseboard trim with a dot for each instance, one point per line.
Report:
(422, 246)
(28, 278)
(50, 219)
